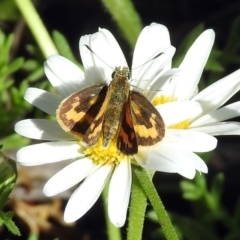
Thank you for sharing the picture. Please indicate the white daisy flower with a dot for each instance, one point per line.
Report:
(94, 166)
(183, 87)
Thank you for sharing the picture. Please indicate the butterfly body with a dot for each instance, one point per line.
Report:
(112, 111)
(117, 96)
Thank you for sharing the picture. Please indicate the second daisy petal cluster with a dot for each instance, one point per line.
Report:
(189, 121)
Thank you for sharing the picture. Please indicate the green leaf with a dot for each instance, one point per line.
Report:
(213, 197)
(30, 65)
(126, 17)
(213, 64)
(14, 140)
(8, 10)
(190, 190)
(5, 46)
(4, 193)
(195, 189)
(37, 74)
(5, 85)
(63, 47)
(13, 66)
(8, 222)
(8, 171)
(33, 236)
(217, 185)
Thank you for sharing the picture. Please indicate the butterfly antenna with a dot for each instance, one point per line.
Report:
(158, 55)
(97, 55)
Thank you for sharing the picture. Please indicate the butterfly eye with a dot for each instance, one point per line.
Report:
(113, 74)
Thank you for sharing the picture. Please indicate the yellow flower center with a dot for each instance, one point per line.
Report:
(181, 125)
(100, 155)
(163, 99)
(166, 99)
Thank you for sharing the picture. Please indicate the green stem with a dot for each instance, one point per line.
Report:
(112, 231)
(137, 211)
(156, 202)
(37, 27)
(126, 17)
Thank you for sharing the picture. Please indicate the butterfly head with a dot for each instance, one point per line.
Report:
(121, 73)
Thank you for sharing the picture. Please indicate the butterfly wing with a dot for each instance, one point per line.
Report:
(92, 134)
(76, 113)
(127, 141)
(147, 122)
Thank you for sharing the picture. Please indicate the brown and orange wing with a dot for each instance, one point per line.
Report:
(94, 131)
(147, 122)
(127, 141)
(77, 112)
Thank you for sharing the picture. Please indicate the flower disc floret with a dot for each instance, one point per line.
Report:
(100, 155)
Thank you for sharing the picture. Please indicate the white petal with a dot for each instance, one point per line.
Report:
(222, 128)
(199, 164)
(41, 129)
(108, 55)
(152, 68)
(64, 75)
(160, 84)
(43, 100)
(175, 112)
(167, 159)
(119, 193)
(218, 93)
(219, 115)
(69, 176)
(192, 66)
(87, 194)
(49, 152)
(151, 39)
(189, 140)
